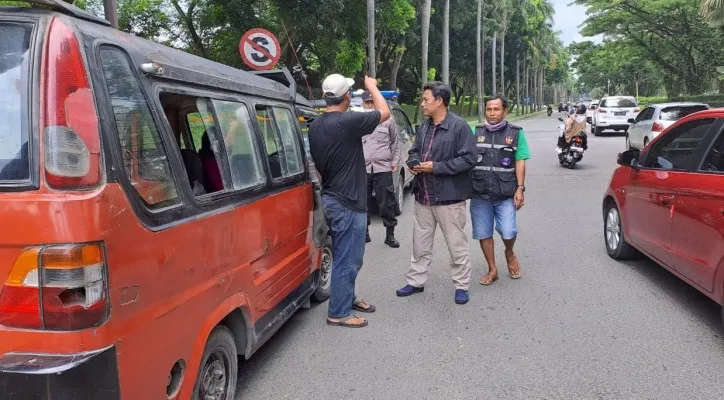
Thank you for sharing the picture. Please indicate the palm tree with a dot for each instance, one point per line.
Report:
(446, 44)
(712, 12)
(371, 38)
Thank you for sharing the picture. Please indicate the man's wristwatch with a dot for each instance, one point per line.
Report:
(521, 187)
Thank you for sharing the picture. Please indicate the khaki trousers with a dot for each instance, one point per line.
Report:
(452, 220)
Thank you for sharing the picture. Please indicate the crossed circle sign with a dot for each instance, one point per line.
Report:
(259, 49)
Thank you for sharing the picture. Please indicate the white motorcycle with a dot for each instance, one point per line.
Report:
(569, 154)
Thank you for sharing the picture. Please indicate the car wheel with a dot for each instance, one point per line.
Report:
(325, 273)
(613, 236)
(597, 131)
(219, 367)
(400, 193)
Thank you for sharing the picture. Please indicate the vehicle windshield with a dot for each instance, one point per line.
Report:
(14, 71)
(624, 103)
(679, 112)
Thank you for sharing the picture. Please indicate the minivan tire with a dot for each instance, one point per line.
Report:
(219, 368)
(400, 193)
(597, 131)
(613, 234)
(325, 273)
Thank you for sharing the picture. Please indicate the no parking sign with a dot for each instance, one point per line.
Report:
(259, 49)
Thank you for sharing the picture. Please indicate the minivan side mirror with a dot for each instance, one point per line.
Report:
(629, 158)
(631, 121)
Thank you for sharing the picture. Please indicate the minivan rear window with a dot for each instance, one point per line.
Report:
(14, 74)
(679, 112)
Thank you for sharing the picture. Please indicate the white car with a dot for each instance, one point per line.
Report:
(655, 118)
(591, 109)
(613, 113)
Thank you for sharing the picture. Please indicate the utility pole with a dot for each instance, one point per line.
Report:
(110, 8)
(371, 38)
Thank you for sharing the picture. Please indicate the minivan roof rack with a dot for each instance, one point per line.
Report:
(69, 9)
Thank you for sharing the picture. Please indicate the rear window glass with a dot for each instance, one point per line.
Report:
(619, 103)
(679, 112)
(14, 74)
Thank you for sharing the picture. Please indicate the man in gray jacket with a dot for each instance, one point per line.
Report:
(382, 159)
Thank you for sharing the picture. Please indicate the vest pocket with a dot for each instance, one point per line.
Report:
(508, 183)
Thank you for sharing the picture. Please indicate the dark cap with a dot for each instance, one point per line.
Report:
(366, 96)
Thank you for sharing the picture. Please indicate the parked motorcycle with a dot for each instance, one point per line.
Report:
(569, 153)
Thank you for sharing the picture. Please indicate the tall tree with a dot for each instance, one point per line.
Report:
(479, 61)
(446, 44)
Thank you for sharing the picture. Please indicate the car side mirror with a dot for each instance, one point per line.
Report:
(629, 158)
(631, 121)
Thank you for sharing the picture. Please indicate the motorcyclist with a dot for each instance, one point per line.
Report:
(575, 126)
(550, 110)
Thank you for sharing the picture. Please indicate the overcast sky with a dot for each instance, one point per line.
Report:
(567, 20)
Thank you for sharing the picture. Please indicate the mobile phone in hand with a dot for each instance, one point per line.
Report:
(411, 164)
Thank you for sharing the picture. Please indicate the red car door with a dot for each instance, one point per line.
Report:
(698, 240)
(651, 197)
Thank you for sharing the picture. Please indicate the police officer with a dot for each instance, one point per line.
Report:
(498, 185)
(382, 159)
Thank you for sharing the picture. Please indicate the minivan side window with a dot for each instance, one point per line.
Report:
(280, 136)
(241, 147)
(144, 158)
(675, 151)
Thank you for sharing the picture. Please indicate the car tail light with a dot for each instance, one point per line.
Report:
(70, 121)
(637, 110)
(657, 127)
(602, 111)
(56, 288)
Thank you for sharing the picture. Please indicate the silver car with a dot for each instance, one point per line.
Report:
(654, 119)
(613, 113)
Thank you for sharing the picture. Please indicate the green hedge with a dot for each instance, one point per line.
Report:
(713, 100)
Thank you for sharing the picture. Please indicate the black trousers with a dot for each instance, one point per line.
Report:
(384, 189)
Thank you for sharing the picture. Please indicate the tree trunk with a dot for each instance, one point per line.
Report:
(502, 50)
(527, 84)
(399, 54)
(495, 63)
(371, 38)
(479, 60)
(517, 83)
(426, 9)
(461, 102)
(446, 44)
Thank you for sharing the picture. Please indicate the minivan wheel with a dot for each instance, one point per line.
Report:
(616, 245)
(325, 273)
(219, 367)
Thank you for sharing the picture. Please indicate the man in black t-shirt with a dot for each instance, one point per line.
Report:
(335, 143)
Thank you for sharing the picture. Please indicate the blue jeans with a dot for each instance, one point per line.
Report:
(347, 228)
(487, 214)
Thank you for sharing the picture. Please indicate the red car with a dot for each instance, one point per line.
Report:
(667, 202)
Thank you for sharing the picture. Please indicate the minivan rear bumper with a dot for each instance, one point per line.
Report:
(77, 376)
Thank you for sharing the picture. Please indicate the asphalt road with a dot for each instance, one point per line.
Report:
(577, 325)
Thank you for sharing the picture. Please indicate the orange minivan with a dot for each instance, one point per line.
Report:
(159, 218)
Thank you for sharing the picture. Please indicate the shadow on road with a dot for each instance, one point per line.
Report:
(684, 294)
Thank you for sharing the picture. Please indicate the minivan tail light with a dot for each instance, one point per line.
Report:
(70, 120)
(657, 127)
(56, 288)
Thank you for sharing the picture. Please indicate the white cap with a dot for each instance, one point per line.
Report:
(336, 85)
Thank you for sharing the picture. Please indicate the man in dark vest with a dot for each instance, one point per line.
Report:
(498, 185)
